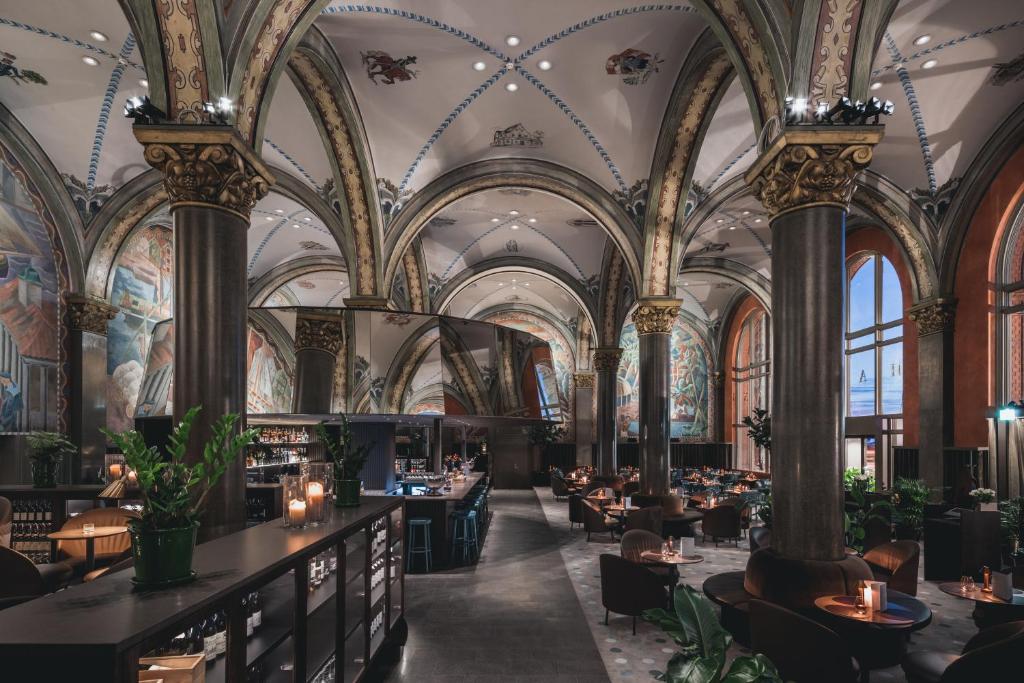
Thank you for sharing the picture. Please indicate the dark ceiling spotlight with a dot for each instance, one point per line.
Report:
(141, 110)
(850, 113)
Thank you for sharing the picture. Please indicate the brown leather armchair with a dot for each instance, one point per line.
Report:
(896, 563)
(6, 520)
(802, 650)
(991, 655)
(575, 510)
(594, 520)
(24, 580)
(649, 519)
(638, 541)
(631, 488)
(722, 522)
(743, 508)
(560, 488)
(109, 549)
(760, 537)
(629, 588)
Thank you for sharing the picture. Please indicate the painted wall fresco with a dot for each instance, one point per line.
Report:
(142, 289)
(691, 392)
(269, 382)
(28, 313)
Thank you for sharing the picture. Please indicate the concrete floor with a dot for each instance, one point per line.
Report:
(512, 617)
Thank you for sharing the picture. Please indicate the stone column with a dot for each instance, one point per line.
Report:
(437, 445)
(805, 180)
(606, 363)
(213, 179)
(88, 320)
(318, 339)
(654, 318)
(934, 320)
(584, 382)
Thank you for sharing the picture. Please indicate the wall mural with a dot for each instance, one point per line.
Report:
(28, 313)
(142, 290)
(269, 382)
(691, 393)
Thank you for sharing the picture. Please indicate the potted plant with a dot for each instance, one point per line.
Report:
(764, 510)
(694, 626)
(759, 429)
(909, 497)
(173, 495)
(47, 450)
(348, 463)
(860, 511)
(984, 499)
(1011, 522)
(540, 437)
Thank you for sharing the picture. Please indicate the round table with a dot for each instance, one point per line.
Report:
(89, 537)
(978, 595)
(676, 559)
(988, 609)
(877, 639)
(681, 525)
(618, 510)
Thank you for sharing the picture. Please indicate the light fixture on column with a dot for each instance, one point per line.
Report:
(850, 113)
(1010, 412)
(141, 110)
(220, 111)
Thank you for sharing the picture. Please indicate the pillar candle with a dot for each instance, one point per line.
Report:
(297, 513)
(115, 471)
(315, 499)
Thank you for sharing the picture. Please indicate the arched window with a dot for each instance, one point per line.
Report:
(751, 377)
(874, 337)
(1010, 381)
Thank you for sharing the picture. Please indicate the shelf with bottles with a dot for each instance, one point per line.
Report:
(378, 537)
(377, 626)
(31, 520)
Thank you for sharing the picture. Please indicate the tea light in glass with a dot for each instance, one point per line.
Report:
(315, 493)
(113, 467)
(294, 499)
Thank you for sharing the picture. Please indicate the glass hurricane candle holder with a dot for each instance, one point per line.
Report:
(316, 492)
(113, 467)
(294, 498)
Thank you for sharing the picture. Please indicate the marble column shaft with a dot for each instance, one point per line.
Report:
(317, 343)
(606, 364)
(88, 320)
(654, 319)
(584, 382)
(934, 320)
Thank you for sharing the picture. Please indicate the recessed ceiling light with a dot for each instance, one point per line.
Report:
(514, 287)
(746, 213)
(527, 284)
(922, 40)
(269, 218)
(143, 82)
(732, 227)
(513, 212)
(514, 280)
(930, 64)
(514, 226)
(510, 65)
(544, 65)
(686, 284)
(96, 35)
(757, 220)
(876, 85)
(511, 87)
(501, 284)
(532, 220)
(479, 66)
(512, 41)
(495, 220)
(296, 226)
(307, 219)
(719, 220)
(91, 61)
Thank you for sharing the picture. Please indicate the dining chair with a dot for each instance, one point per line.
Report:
(802, 650)
(22, 579)
(991, 655)
(722, 522)
(629, 588)
(575, 510)
(594, 520)
(108, 549)
(649, 519)
(896, 563)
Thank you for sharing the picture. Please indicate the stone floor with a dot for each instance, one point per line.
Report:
(512, 617)
(531, 611)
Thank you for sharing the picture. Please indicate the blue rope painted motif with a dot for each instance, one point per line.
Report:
(108, 101)
(729, 166)
(274, 230)
(949, 43)
(564, 252)
(64, 39)
(293, 162)
(915, 111)
(444, 275)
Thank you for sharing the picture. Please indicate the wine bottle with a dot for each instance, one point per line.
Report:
(222, 634)
(257, 610)
(247, 609)
(210, 639)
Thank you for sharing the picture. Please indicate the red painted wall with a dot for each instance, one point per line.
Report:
(974, 332)
(875, 239)
(745, 308)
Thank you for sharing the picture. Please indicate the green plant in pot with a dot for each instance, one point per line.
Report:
(174, 494)
(861, 512)
(46, 451)
(759, 429)
(910, 497)
(540, 437)
(694, 626)
(348, 463)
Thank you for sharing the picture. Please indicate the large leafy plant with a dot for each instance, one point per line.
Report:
(348, 459)
(174, 492)
(759, 428)
(544, 435)
(1011, 522)
(48, 448)
(695, 628)
(910, 496)
(861, 512)
(852, 477)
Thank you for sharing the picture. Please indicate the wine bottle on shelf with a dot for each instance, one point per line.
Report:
(257, 610)
(247, 608)
(222, 634)
(210, 638)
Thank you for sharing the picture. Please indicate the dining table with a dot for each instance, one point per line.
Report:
(989, 609)
(87, 535)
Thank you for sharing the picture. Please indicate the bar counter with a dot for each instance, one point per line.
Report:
(438, 510)
(97, 631)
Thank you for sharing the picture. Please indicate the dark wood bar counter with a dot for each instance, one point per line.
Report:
(438, 510)
(98, 631)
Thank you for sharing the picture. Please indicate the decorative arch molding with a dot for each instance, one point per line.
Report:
(541, 176)
(701, 84)
(415, 269)
(507, 264)
(907, 224)
(281, 339)
(567, 335)
(262, 287)
(407, 362)
(754, 283)
(612, 313)
(997, 151)
(734, 312)
(316, 72)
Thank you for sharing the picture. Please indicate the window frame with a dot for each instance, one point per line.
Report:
(754, 371)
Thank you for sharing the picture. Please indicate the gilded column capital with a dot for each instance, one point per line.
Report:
(812, 166)
(583, 380)
(206, 165)
(606, 359)
(321, 334)
(89, 314)
(932, 317)
(656, 315)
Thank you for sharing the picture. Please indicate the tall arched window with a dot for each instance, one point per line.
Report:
(1010, 380)
(874, 337)
(751, 376)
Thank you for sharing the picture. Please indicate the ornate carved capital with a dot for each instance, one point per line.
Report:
(606, 359)
(320, 334)
(933, 316)
(584, 380)
(812, 166)
(90, 315)
(656, 316)
(205, 165)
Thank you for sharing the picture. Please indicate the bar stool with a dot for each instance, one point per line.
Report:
(464, 534)
(423, 524)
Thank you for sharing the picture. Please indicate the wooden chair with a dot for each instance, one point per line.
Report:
(896, 563)
(802, 650)
(629, 588)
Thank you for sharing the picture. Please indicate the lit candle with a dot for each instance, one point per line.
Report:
(868, 598)
(115, 471)
(133, 478)
(315, 498)
(297, 513)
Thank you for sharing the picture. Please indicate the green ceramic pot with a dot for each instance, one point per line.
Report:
(163, 557)
(44, 475)
(346, 493)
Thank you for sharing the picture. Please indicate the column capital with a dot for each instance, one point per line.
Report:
(89, 314)
(321, 334)
(656, 315)
(606, 358)
(206, 165)
(812, 166)
(933, 316)
(583, 380)
(365, 302)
